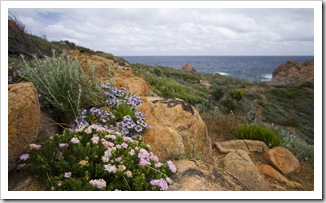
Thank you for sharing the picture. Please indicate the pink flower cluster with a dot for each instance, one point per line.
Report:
(100, 183)
(145, 158)
(161, 183)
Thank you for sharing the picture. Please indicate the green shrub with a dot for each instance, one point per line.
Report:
(257, 132)
(169, 89)
(61, 83)
(236, 94)
(217, 94)
(229, 104)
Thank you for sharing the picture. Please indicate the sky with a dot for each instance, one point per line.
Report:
(177, 31)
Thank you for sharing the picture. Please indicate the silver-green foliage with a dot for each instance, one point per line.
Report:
(291, 141)
(60, 80)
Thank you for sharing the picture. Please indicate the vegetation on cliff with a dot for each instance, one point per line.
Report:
(226, 104)
(230, 102)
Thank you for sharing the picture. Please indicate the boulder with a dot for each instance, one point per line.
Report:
(239, 165)
(176, 129)
(188, 67)
(282, 159)
(271, 172)
(199, 176)
(23, 120)
(294, 72)
(245, 145)
(135, 85)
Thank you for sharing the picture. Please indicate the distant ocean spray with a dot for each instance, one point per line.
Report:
(253, 68)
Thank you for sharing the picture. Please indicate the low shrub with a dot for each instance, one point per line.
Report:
(95, 158)
(236, 94)
(61, 83)
(169, 89)
(229, 104)
(257, 132)
(217, 94)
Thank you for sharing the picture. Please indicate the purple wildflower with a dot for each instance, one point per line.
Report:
(112, 137)
(24, 157)
(143, 154)
(107, 143)
(100, 183)
(124, 145)
(59, 155)
(161, 183)
(34, 146)
(126, 139)
(21, 165)
(74, 140)
(67, 174)
(153, 157)
(118, 159)
(138, 128)
(171, 166)
(110, 168)
(63, 145)
(144, 162)
(158, 165)
(95, 139)
(132, 152)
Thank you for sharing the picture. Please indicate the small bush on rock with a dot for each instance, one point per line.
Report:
(257, 132)
(102, 151)
(118, 112)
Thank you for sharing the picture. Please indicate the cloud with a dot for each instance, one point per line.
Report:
(178, 31)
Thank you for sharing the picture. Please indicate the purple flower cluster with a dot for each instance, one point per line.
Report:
(145, 158)
(171, 166)
(104, 116)
(13, 74)
(161, 183)
(116, 97)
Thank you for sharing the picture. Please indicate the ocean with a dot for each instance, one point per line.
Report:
(252, 68)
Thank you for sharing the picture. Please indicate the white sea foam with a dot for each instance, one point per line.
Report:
(267, 77)
(223, 73)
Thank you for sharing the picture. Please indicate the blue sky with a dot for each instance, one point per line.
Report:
(179, 31)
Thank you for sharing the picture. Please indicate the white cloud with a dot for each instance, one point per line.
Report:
(177, 31)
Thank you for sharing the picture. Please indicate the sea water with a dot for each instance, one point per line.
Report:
(252, 68)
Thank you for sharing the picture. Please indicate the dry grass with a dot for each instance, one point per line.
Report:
(220, 127)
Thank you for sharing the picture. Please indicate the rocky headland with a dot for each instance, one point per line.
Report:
(198, 138)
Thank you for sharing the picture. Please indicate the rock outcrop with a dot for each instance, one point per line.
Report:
(176, 129)
(282, 159)
(188, 67)
(271, 172)
(245, 145)
(106, 66)
(239, 165)
(200, 176)
(294, 72)
(23, 120)
(135, 85)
